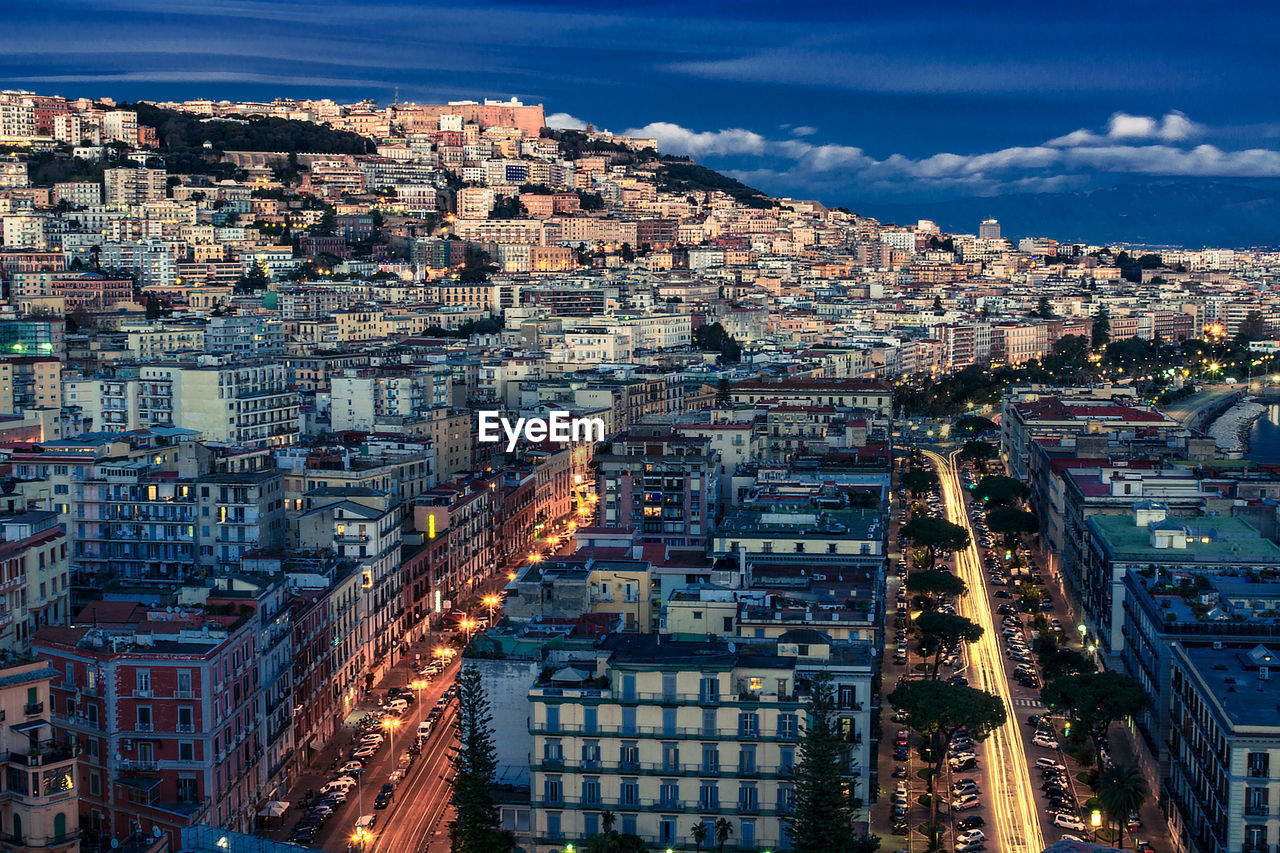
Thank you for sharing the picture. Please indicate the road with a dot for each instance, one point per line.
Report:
(1190, 411)
(1009, 791)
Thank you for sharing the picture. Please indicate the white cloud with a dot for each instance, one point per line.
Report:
(564, 121)
(674, 139)
(1131, 144)
(803, 130)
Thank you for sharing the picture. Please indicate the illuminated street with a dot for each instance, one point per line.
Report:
(1012, 798)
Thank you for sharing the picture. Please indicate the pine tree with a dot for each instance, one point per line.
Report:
(475, 827)
(822, 817)
(1101, 328)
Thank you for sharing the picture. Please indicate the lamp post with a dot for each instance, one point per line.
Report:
(361, 836)
(417, 684)
(391, 724)
(491, 601)
(467, 625)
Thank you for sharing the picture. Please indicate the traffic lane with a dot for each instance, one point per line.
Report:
(1017, 820)
(336, 832)
(422, 796)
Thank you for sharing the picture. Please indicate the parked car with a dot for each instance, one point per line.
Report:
(971, 835)
(971, 822)
(1065, 821)
(1044, 742)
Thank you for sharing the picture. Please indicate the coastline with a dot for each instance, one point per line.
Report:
(1230, 430)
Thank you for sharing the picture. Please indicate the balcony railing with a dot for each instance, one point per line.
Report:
(44, 752)
(1258, 809)
(31, 709)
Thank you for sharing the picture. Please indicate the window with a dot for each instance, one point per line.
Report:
(629, 754)
(748, 797)
(747, 760)
(669, 794)
(668, 686)
(553, 718)
(666, 829)
(143, 682)
(629, 793)
(590, 824)
(756, 683)
(709, 689)
(668, 721)
(186, 751)
(628, 721)
(551, 790)
(95, 784)
(144, 718)
(552, 751)
(553, 825)
(591, 790)
(187, 789)
(748, 724)
(629, 824)
(708, 721)
(787, 759)
(591, 753)
(787, 726)
(629, 686)
(185, 720)
(747, 834)
(786, 798)
(710, 758)
(1259, 764)
(708, 795)
(590, 720)
(670, 756)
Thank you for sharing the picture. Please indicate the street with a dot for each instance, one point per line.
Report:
(1008, 781)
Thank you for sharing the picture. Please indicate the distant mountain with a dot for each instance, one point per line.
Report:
(1188, 214)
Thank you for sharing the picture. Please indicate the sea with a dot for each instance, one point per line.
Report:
(1264, 436)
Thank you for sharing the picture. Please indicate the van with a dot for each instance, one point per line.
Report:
(366, 822)
(397, 706)
(424, 728)
(1049, 764)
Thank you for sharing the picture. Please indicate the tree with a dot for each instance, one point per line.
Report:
(1059, 662)
(974, 425)
(153, 308)
(723, 392)
(1121, 791)
(476, 827)
(628, 254)
(724, 829)
(937, 535)
(979, 453)
(919, 480)
(1095, 700)
(327, 226)
(942, 633)
(698, 832)
(939, 709)
(1011, 522)
(1252, 328)
(256, 279)
(822, 818)
(937, 305)
(932, 585)
(998, 490)
(1101, 332)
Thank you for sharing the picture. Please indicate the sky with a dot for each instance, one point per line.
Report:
(847, 102)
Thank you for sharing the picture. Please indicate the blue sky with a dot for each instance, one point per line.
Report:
(847, 102)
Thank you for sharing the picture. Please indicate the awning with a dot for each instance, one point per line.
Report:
(275, 808)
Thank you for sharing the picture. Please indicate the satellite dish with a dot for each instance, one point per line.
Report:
(115, 842)
(155, 831)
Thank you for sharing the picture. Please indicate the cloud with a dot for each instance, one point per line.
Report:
(675, 139)
(803, 130)
(564, 121)
(1131, 144)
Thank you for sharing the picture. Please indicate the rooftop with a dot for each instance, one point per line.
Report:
(1239, 680)
(1221, 538)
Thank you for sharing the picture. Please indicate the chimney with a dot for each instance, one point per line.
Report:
(742, 567)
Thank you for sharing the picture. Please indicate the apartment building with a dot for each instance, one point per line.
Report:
(248, 337)
(134, 186)
(34, 581)
(359, 399)
(1224, 743)
(165, 708)
(40, 807)
(663, 484)
(30, 382)
(873, 396)
(246, 404)
(667, 732)
(238, 512)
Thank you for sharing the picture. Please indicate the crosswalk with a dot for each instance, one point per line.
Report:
(1020, 702)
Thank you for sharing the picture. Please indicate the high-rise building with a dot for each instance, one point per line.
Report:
(989, 229)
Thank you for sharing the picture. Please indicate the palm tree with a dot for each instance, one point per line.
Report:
(723, 830)
(699, 834)
(1121, 791)
(607, 819)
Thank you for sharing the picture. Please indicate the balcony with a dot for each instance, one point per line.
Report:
(45, 752)
(184, 694)
(32, 709)
(1257, 809)
(135, 765)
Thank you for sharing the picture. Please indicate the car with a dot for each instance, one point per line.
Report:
(967, 787)
(1134, 823)
(966, 804)
(1049, 764)
(372, 740)
(900, 800)
(1003, 593)
(964, 764)
(971, 835)
(899, 810)
(901, 740)
(963, 756)
(900, 754)
(971, 847)
(351, 767)
(321, 810)
(1142, 846)
(971, 822)
(424, 728)
(900, 771)
(382, 801)
(1066, 836)
(365, 752)
(1044, 743)
(1066, 821)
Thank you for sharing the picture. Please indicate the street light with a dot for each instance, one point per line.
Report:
(491, 601)
(417, 684)
(361, 836)
(467, 625)
(391, 724)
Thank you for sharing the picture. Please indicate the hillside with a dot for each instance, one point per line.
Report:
(184, 132)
